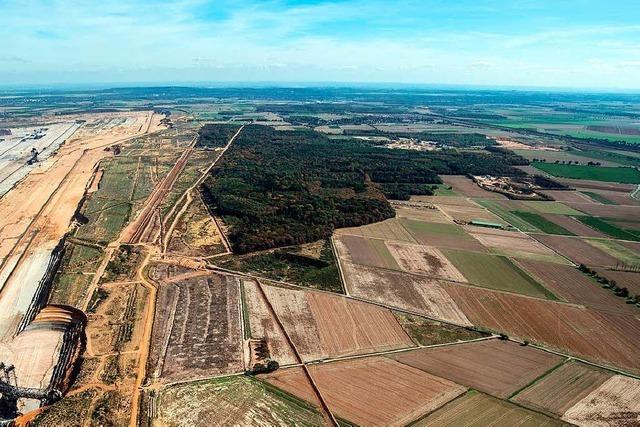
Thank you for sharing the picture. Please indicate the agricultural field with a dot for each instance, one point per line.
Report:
(493, 366)
(623, 175)
(252, 271)
(449, 236)
(571, 285)
(579, 251)
(562, 388)
(476, 410)
(422, 295)
(496, 272)
(592, 334)
(352, 390)
(323, 325)
(514, 244)
(235, 400)
(540, 223)
(616, 402)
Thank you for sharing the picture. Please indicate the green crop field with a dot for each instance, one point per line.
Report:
(506, 215)
(542, 224)
(599, 198)
(597, 173)
(609, 229)
(495, 272)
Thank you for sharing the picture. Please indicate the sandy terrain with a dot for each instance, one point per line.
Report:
(495, 367)
(614, 403)
(573, 225)
(323, 325)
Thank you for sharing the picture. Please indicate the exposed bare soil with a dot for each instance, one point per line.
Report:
(495, 367)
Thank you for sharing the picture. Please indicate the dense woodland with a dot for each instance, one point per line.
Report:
(277, 188)
(215, 135)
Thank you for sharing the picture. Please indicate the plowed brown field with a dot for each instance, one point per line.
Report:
(571, 285)
(495, 367)
(374, 391)
(419, 294)
(563, 388)
(578, 251)
(588, 333)
(322, 325)
(568, 196)
(624, 279)
(365, 251)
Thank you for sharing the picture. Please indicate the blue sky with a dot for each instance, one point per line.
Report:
(559, 43)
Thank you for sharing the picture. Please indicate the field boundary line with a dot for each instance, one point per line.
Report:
(539, 378)
(414, 313)
(343, 281)
(579, 359)
(323, 402)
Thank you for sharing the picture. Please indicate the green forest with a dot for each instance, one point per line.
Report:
(278, 188)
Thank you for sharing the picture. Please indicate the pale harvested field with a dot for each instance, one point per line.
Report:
(573, 225)
(562, 388)
(323, 325)
(419, 294)
(494, 366)
(264, 326)
(376, 391)
(568, 196)
(463, 185)
(365, 251)
(591, 334)
(571, 285)
(578, 251)
(502, 241)
(423, 260)
(470, 213)
(614, 403)
(624, 279)
(422, 214)
(479, 410)
(391, 229)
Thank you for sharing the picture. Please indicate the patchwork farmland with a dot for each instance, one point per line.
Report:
(193, 274)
